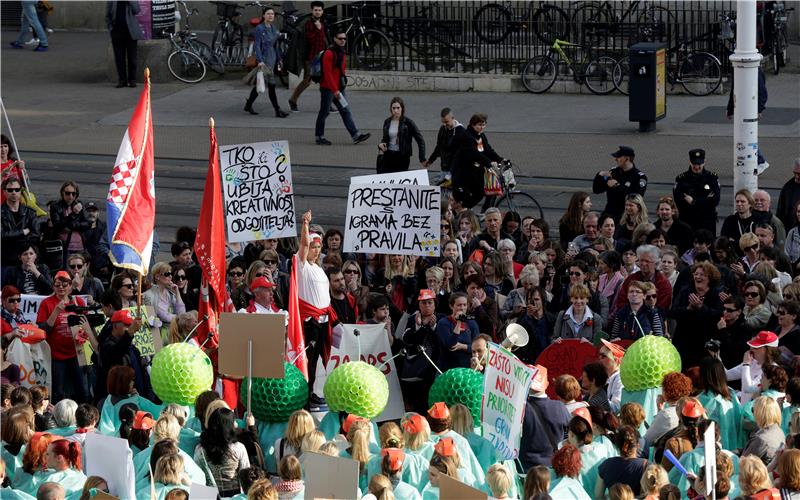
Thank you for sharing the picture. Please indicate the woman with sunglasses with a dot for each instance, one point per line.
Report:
(125, 287)
(188, 295)
(237, 289)
(11, 316)
(788, 328)
(18, 222)
(83, 281)
(68, 220)
(757, 314)
(164, 296)
(29, 276)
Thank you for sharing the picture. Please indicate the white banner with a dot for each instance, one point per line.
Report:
(505, 390)
(33, 360)
(111, 458)
(29, 305)
(393, 219)
(415, 177)
(257, 186)
(375, 350)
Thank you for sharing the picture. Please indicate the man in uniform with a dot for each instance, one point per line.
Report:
(696, 193)
(620, 181)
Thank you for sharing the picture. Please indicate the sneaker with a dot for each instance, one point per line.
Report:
(16, 45)
(321, 141)
(361, 138)
(49, 30)
(32, 41)
(293, 106)
(41, 48)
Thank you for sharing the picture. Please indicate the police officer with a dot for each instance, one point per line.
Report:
(696, 193)
(620, 181)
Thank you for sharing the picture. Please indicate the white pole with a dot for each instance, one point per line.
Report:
(745, 61)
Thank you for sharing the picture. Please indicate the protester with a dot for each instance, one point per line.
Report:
(19, 225)
(473, 154)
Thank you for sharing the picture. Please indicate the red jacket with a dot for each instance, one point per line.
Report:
(331, 75)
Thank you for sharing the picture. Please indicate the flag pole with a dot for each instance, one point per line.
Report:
(139, 296)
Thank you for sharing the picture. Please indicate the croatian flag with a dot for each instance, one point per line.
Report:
(131, 201)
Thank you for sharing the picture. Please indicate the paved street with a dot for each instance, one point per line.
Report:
(68, 120)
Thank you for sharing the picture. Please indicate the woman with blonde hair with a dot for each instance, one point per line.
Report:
(439, 466)
(399, 273)
(635, 213)
(167, 476)
(312, 442)
(166, 428)
(300, 423)
(653, 479)
(500, 481)
(358, 448)
(741, 221)
(181, 325)
(769, 438)
(381, 487)
(96, 483)
(464, 424)
(164, 296)
(753, 476)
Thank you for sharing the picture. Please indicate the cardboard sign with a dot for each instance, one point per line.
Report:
(148, 339)
(257, 186)
(453, 489)
(268, 332)
(566, 357)
(505, 390)
(330, 477)
(414, 177)
(393, 219)
(111, 458)
(102, 495)
(203, 492)
(375, 350)
(33, 361)
(710, 455)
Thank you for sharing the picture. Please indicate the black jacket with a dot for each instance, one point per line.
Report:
(12, 232)
(540, 436)
(634, 181)
(95, 240)
(406, 131)
(445, 140)
(467, 155)
(16, 276)
(72, 222)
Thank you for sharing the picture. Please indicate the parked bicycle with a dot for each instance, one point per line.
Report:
(778, 40)
(188, 40)
(596, 72)
(184, 64)
(369, 48)
(698, 72)
(228, 39)
(594, 22)
(290, 26)
(512, 198)
(494, 22)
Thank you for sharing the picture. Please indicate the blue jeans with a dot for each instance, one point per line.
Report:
(61, 369)
(326, 99)
(31, 18)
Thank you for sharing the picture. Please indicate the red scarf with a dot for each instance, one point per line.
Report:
(251, 308)
(308, 310)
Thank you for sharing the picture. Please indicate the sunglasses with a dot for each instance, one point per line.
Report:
(167, 274)
(128, 285)
(729, 310)
(259, 275)
(15, 300)
(752, 295)
(270, 262)
(752, 247)
(351, 271)
(180, 277)
(575, 274)
(238, 274)
(70, 193)
(653, 297)
(341, 38)
(13, 190)
(76, 266)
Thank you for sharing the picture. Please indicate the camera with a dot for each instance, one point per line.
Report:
(465, 317)
(92, 313)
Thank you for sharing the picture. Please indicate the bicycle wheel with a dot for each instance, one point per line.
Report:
(622, 75)
(522, 203)
(599, 75)
(212, 60)
(700, 73)
(657, 23)
(491, 23)
(539, 74)
(778, 55)
(550, 22)
(591, 23)
(372, 50)
(186, 66)
(783, 47)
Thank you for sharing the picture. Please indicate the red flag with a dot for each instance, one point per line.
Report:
(295, 342)
(209, 246)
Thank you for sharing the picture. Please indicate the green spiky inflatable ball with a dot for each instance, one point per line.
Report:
(358, 388)
(459, 385)
(180, 372)
(275, 399)
(647, 361)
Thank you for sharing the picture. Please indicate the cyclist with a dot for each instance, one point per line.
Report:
(268, 58)
(473, 154)
(309, 41)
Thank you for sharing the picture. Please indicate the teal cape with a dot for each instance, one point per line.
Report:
(141, 463)
(109, 414)
(567, 487)
(727, 414)
(161, 490)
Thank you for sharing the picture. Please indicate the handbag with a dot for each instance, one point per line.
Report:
(261, 86)
(491, 183)
(250, 62)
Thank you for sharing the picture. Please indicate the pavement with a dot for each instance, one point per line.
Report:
(68, 120)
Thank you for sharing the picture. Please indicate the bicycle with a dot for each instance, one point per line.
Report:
(494, 22)
(189, 41)
(184, 64)
(541, 72)
(369, 48)
(595, 22)
(290, 26)
(512, 198)
(228, 39)
(699, 73)
(779, 41)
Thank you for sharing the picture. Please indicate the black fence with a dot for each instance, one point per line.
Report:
(495, 38)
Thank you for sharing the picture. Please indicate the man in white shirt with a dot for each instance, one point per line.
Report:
(611, 357)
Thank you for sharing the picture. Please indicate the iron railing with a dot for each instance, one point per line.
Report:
(474, 37)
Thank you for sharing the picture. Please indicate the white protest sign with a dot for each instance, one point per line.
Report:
(203, 492)
(258, 192)
(33, 361)
(375, 350)
(111, 458)
(505, 389)
(393, 219)
(415, 177)
(710, 455)
(29, 305)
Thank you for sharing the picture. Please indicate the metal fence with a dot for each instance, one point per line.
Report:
(494, 38)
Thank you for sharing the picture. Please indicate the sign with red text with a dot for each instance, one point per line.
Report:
(33, 361)
(505, 390)
(376, 351)
(567, 357)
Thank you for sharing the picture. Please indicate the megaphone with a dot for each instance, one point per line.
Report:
(516, 336)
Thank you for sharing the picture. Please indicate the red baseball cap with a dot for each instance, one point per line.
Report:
(439, 411)
(350, 420)
(692, 409)
(260, 282)
(583, 413)
(63, 275)
(764, 339)
(414, 424)
(143, 421)
(616, 350)
(426, 294)
(396, 458)
(122, 316)
(446, 447)
(540, 381)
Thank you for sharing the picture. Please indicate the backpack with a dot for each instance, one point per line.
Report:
(316, 67)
